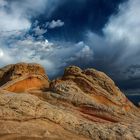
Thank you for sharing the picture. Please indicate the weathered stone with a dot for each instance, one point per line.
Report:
(83, 104)
(22, 77)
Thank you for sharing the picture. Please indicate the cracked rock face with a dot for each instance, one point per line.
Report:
(82, 104)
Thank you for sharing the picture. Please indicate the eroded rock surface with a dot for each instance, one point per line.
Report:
(22, 77)
(83, 104)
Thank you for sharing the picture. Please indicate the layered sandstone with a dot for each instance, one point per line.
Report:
(22, 77)
(82, 104)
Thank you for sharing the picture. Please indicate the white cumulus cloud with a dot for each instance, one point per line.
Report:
(126, 24)
(55, 23)
(12, 20)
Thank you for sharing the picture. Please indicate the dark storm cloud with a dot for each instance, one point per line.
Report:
(133, 77)
(80, 15)
(117, 51)
(133, 69)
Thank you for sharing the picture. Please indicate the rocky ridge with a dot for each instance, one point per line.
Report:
(82, 104)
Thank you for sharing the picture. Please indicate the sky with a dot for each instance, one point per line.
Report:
(100, 34)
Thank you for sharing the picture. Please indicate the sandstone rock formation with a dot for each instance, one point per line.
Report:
(22, 77)
(82, 104)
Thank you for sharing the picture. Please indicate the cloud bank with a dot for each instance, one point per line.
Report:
(117, 51)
